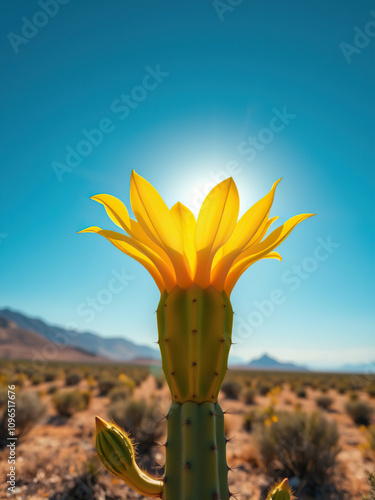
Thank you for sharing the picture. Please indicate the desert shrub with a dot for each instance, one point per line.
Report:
(18, 380)
(160, 379)
(301, 392)
(300, 445)
(324, 402)
(249, 396)
(248, 421)
(371, 479)
(52, 389)
(106, 385)
(371, 390)
(342, 389)
(69, 402)
(50, 376)
(141, 420)
(353, 396)
(359, 411)
(72, 379)
(37, 379)
(119, 394)
(29, 410)
(231, 389)
(264, 388)
(324, 389)
(126, 381)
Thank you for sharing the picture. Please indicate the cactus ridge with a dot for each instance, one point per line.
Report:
(196, 467)
(195, 335)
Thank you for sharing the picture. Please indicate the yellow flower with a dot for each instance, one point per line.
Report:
(178, 250)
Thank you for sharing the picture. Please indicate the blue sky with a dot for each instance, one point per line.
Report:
(219, 78)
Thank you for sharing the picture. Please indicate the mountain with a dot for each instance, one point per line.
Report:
(116, 349)
(17, 343)
(265, 362)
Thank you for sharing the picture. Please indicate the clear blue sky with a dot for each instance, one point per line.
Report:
(218, 77)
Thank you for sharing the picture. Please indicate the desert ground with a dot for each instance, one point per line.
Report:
(326, 458)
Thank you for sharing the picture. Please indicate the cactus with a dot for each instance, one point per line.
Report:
(195, 264)
(280, 491)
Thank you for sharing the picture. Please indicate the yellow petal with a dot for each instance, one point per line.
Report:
(237, 270)
(157, 221)
(149, 259)
(261, 232)
(247, 228)
(260, 250)
(153, 214)
(118, 213)
(216, 221)
(115, 209)
(186, 223)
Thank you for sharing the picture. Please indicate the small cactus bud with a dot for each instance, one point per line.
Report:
(116, 453)
(281, 491)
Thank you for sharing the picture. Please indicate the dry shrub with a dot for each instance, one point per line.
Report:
(119, 394)
(106, 384)
(69, 402)
(371, 479)
(249, 396)
(300, 445)
(324, 402)
(231, 389)
(300, 392)
(72, 379)
(359, 411)
(143, 421)
(28, 411)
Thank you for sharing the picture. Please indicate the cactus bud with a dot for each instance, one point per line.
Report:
(281, 491)
(116, 453)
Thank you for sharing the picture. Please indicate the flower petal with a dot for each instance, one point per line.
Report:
(236, 271)
(157, 221)
(115, 209)
(259, 250)
(118, 213)
(153, 214)
(216, 221)
(243, 235)
(149, 259)
(186, 223)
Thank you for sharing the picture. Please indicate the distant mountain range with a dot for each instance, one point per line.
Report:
(16, 343)
(87, 343)
(265, 362)
(24, 337)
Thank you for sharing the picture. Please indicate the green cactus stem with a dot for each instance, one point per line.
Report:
(195, 335)
(196, 467)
